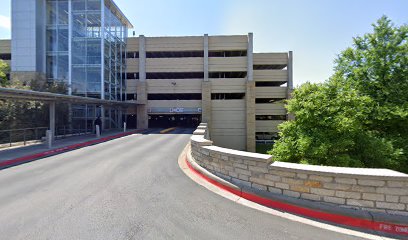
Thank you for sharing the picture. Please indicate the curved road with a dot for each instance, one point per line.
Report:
(129, 188)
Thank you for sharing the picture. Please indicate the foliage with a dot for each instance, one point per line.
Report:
(29, 114)
(4, 69)
(359, 117)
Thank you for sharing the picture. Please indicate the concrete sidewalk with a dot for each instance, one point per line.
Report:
(8, 154)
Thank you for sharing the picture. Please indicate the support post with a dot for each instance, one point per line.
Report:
(142, 116)
(206, 89)
(124, 126)
(52, 120)
(250, 99)
(98, 131)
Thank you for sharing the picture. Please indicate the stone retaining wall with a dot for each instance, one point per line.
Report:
(380, 190)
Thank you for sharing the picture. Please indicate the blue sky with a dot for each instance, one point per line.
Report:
(315, 30)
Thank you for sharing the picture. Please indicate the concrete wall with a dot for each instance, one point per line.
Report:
(379, 190)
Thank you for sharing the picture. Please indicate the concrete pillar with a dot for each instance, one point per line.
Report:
(142, 58)
(206, 79)
(290, 82)
(141, 87)
(250, 98)
(290, 74)
(206, 89)
(52, 120)
(250, 116)
(250, 56)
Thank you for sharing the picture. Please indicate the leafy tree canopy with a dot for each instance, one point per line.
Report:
(359, 117)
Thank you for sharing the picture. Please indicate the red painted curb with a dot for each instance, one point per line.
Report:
(12, 162)
(328, 217)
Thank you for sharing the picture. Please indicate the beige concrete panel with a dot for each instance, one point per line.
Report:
(5, 46)
(175, 103)
(219, 43)
(193, 43)
(174, 85)
(270, 109)
(174, 64)
(228, 85)
(232, 142)
(131, 111)
(132, 65)
(228, 105)
(271, 92)
(271, 75)
(227, 64)
(268, 126)
(131, 83)
(133, 44)
(270, 58)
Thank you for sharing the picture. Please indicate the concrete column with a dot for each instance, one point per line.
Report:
(290, 81)
(250, 56)
(142, 58)
(52, 120)
(141, 87)
(206, 89)
(250, 98)
(206, 79)
(250, 116)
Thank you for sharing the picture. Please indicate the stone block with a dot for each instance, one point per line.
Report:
(314, 184)
(259, 186)
(273, 177)
(393, 206)
(250, 162)
(337, 186)
(362, 189)
(233, 174)
(404, 199)
(353, 195)
(321, 178)
(393, 191)
(282, 173)
(243, 177)
(322, 192)
(300, 188)
(242, 171)
(261, 181)
(302, 176)
(335, 200)
(373, 196)
(309, 196)
(391, 198)
(360, 203)
(225, 158)
(370, 182)
(395, 184)
(282, 185)
(258, 169)
(275, 190)
(291, 193)
(239, 165)
(345, 180)
(292, 181)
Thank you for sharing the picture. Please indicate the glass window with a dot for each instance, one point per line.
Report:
(78, 51)
(51, 13)
(51, 40)
(51, 67)
(94, 5)
(79, 25)
(78, 5)
(63, 68)
(63, 13)
(63, 40)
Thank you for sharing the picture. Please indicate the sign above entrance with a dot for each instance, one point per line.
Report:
(175, 110)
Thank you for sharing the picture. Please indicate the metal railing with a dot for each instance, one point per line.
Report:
(21, 136)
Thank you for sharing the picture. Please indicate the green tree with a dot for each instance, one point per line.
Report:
(4, 70)
(359, 117)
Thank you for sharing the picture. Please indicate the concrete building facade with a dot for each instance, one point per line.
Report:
(177, 81)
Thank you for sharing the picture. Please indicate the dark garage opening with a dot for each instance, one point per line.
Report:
(174, 120)
(131, 121)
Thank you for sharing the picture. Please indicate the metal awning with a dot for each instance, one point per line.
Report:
(28, 95)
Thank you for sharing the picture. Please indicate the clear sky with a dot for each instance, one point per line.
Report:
(315, 30)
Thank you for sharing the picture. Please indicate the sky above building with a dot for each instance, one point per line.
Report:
(315, 30)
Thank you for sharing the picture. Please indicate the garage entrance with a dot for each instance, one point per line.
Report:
(174, 120)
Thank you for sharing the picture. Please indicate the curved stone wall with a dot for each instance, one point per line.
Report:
(380, 190)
